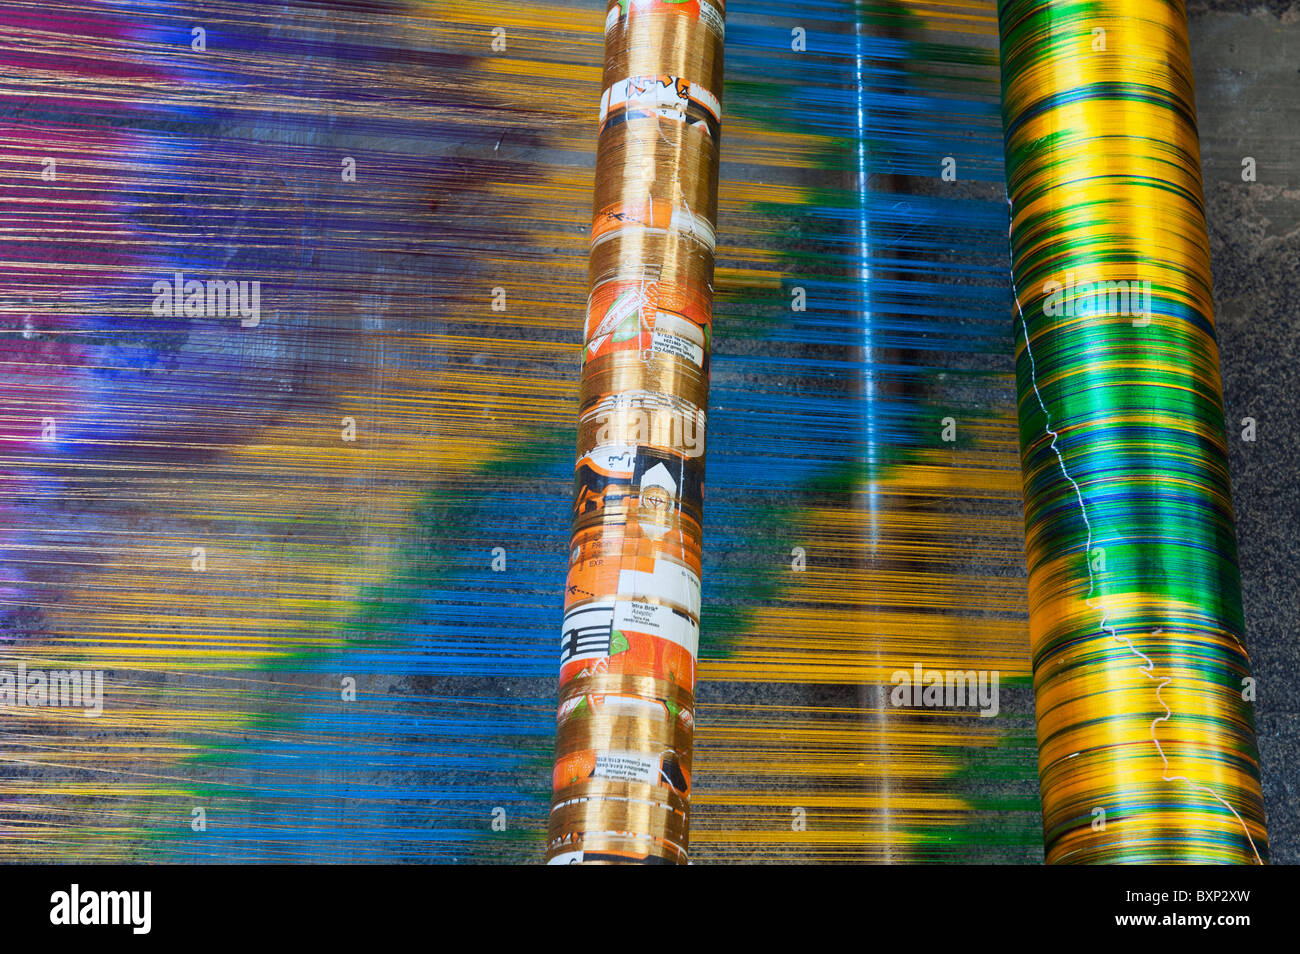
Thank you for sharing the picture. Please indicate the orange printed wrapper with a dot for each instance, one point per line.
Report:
(644, 574)
(657, 214)
(648, 317)
(591, 644)
(612, 765)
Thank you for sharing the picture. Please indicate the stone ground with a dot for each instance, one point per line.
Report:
(1246, 59)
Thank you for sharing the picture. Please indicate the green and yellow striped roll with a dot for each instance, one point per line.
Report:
(1146, 738)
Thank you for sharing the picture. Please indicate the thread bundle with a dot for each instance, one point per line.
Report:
(632, 600)
(1146, 741)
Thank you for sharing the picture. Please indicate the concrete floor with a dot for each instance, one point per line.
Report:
(1245, 57)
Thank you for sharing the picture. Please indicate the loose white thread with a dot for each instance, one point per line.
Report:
(1148, 665)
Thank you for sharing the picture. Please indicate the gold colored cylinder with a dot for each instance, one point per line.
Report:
(632, 600)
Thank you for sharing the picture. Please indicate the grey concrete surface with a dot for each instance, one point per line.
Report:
(1246, 58)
